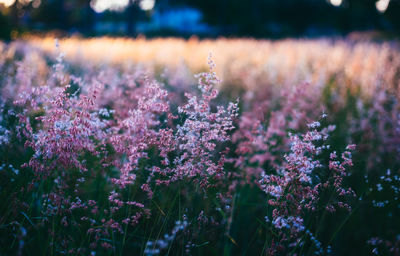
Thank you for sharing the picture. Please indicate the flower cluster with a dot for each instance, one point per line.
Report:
(103, 156)
(296, 188)
(78, 137)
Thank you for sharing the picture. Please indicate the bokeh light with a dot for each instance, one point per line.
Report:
(382, 5)
(7, 2)
(147, 5)
(112, 5)
(336, 2)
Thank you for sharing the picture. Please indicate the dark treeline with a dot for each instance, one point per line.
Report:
(296, 17)
(258, 18)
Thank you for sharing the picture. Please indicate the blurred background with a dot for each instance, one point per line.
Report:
(203, 18)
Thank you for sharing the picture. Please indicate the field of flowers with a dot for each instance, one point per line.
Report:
(112, 146)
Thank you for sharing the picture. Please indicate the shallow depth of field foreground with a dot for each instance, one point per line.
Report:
(112, 146)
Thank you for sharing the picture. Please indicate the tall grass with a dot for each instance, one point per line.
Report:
(279, 148)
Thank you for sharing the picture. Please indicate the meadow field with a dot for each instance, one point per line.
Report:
(117, 146)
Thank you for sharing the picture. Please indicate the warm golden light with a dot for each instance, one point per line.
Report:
(7, 3)
(285, 62)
